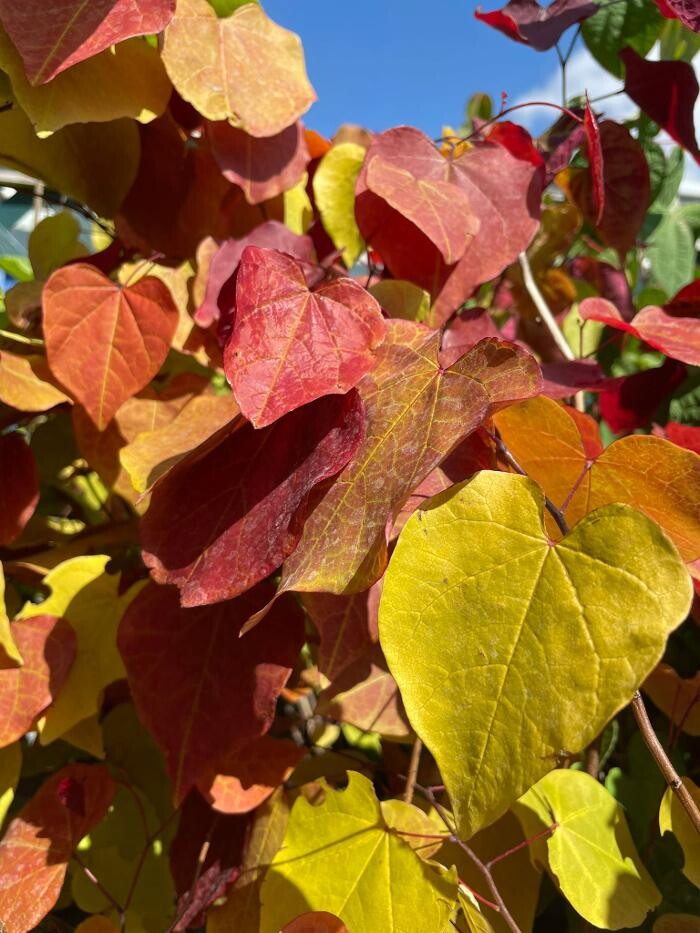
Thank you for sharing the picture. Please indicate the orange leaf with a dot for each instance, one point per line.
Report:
(677, 697)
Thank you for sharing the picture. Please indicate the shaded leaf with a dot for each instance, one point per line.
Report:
(51, 40)
(673, 818)
(105, 342)
(126, 81)
(241, 781)
(347, 626)
(54, 241)
(666, 92)
(227, 685)
(38, 844)
(10, 767)
(539, 26)
(401, 299)
(318, 869)
(677, 697)
(262, 167)
(493, 693)
(291, 345)
(631, 403)
(243, 497)
(590, 854)
(317, 921)
(10, 656)
(48, 647)
(244, 68)
(19, 489)
(413, 421)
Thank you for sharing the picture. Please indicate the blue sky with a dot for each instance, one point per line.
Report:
(380, 63)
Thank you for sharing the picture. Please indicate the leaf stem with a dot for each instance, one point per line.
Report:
(413, 770)
(543, 308)
(98, 884)
(522, 845)
(663, 761)
(20, 338)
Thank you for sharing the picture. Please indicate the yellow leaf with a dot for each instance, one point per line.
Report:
(94, 163)
(86, 735)
(127, 80)
(87, 596)
(9, 652)
(402, 299)
(24, 383)
(341, 857)
(674, 819)
(54, 241)
(10, 766)
(590, 854)
(334, 192)
(298, 211)
(510, 650)
(244, 68)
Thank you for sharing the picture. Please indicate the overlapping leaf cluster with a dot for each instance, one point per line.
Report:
(349, 488)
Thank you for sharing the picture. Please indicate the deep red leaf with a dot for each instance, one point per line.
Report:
(539, 26)
(673, 329)
(595, 161)
(52, 36)
(465, 330)
(291, 345)
(566, 378)
(220, 298)
(19, 489)
(504, 194)
(39, 842)
(635, 400)
(666, 92)
(242, 498)
(687, 11)
(205, 857)
(192, 660)
(262, 166)
(105, 342)
(517, 141)
(47, 646)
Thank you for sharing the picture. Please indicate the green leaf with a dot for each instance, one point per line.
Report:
(674, 819)
(673, 175)
(636, 23)
(18, 267)
(590, 854)
(341, 857)
(671, 253)
(224, 8)
(510, 650)
(685, 407)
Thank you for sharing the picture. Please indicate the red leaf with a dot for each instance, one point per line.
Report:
(517, 141)
(541, 27)
(608, 282)
(262, 166)
(683, 435)
(666, 92)
(208, 848)
(290, 345)
(687, 11)
(243, 497)
(51, 39)
(563, 379)
(40, 840)
(504, 194)
(47, 646)
(347, 626)
(595, 161)
(316, 921)
(626, 185)
(673, 329)
(105, 342)
(223, 687)
(635, 400)
(19, 489)
(241, 781)
(219, 298)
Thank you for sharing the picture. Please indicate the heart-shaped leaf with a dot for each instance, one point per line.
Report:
(509, 649)
(291, 345)
(104, 343)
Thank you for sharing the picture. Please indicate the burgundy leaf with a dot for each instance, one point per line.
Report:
(634, 401)
(539, 26)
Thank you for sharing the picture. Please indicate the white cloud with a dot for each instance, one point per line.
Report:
(583, 74)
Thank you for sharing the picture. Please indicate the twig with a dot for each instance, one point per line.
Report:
(663, 762)
(413, 770)
(543, 308)
(556, 513)
(20, 338)
(593, 758)
(522, 845)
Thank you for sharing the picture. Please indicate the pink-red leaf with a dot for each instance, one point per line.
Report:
(105, 342)
(595, 161)
(687, 11)
(242, 499)
(51, 36)
(40, 840)
(223, 687)
(48, 647)
(262, 166)
(291, 345)
(666, 91)
(19, 488)
(684, 435)
(539, 26)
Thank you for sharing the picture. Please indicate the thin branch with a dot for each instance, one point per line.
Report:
(98, 884)
(663, 761)
(20, 338)
(503, 450)
(413, 770)
(562, 68)
(543, 308)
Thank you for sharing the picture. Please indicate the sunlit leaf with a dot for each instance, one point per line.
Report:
(334, 192)
(528, 653)
(25, 383)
